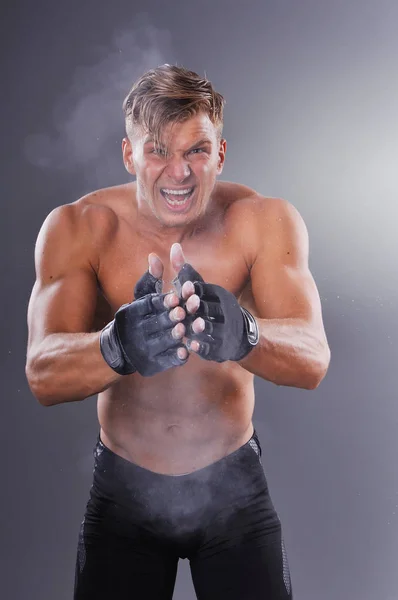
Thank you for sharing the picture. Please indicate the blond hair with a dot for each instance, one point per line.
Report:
(170, 94)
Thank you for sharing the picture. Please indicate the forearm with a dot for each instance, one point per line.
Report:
(67, 367)
(290, 352)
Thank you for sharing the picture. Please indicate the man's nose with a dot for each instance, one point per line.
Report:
(178, 168)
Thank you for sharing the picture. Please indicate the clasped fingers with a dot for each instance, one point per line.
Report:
(199, 326)
(178, 331)
(192, 304)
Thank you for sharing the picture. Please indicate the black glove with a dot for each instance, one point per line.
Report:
(230, 333)
(139, 338)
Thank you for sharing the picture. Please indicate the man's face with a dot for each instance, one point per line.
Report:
(176, 179)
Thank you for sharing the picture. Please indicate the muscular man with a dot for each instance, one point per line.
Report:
(166, 296)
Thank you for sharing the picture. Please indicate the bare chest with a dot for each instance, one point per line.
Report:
(124, 259)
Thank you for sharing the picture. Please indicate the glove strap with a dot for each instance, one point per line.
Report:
(253, 334)
(112, 351)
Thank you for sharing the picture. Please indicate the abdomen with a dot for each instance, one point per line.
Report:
(180, 419)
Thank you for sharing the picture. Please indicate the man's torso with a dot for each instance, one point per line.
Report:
(187, 417)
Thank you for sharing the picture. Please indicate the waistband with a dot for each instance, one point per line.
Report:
(251, 448)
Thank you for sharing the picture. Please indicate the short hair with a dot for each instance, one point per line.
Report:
(170, 94)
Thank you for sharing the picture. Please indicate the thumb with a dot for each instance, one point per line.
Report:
(155, 265)
(185, 272)
(151, 281)
(177, 257)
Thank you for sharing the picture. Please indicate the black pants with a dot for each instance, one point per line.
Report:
(139, 523)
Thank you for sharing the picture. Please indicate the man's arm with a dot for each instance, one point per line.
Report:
(292, 348)
(64, 361)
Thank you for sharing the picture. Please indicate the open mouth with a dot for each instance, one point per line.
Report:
(177, 200)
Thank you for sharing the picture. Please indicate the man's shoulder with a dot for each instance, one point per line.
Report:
(241, 198)
(99, 207)
(105, 200)
(260, 221)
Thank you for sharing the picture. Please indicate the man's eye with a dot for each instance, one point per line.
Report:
(197, 150)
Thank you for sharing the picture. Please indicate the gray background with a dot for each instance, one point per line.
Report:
(311, 116)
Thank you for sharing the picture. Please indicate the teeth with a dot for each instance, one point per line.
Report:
(177, 192)
(175, 202)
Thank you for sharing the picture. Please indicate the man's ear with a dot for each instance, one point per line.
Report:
(221, 156)
(127, 151)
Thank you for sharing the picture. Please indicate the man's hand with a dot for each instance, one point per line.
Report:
(217, 327)
(144, 336)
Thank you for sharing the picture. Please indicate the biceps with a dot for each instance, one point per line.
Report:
(286, 292)
(66, 305)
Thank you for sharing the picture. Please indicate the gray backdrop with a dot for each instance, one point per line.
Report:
(311, 116)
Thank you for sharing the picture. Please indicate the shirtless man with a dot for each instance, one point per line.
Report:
(210, 284)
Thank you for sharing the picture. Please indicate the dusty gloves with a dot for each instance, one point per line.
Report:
(140, 336)
(230, 333)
